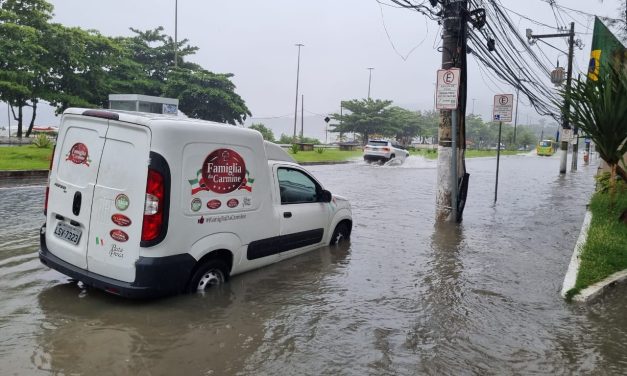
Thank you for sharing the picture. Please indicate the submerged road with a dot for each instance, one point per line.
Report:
(405, 298)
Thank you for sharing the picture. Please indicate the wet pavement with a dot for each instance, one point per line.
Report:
(405, 298)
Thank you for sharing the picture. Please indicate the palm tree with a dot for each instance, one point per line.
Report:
(599, 108)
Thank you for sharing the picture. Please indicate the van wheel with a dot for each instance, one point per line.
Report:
(340, 234)
(211, 273)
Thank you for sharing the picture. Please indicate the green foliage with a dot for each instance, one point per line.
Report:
(42, 141)
(206, 95)
(68, 66)
(366, 116)
(320, 150)
(267, 133)
(24, 158)
(310, 140)
(599, 109)
(604, 182)
(295, 148)
(604, 252)
(285, 139)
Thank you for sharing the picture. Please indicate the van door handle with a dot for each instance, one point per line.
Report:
(287, 214)
(76, 204)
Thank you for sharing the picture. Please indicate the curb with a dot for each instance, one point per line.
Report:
(594, 291)
(24, 174)
(573, 267)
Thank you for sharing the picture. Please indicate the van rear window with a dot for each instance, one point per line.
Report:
(378, 143)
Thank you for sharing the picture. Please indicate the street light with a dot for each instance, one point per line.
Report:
(176, 19)
(369, 80)
(299, 45)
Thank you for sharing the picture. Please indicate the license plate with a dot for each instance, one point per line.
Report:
(68, 233)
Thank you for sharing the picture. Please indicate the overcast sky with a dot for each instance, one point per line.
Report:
(255, 41)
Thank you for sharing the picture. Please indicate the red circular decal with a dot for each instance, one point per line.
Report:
(118, 235)
(232, 203)
(121, 220)
(214, 204)
(78, 154)
(223, 171)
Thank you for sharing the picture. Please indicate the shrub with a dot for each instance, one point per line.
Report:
(295, 148)
(319, 150)
(42, 141)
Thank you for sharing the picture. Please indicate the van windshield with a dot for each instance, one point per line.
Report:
(545, 143)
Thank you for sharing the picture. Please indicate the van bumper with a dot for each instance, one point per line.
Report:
(154, 276)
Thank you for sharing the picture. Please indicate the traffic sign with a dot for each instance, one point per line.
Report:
(503, 107)
(447, 89)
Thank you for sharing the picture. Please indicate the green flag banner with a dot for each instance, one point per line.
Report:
(605, 48)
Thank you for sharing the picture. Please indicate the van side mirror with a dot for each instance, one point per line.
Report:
(325, 196)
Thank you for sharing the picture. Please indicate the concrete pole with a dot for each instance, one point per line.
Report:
(369, 80)
(447, 177)
(569, 77)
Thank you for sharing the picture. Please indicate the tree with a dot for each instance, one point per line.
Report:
(366, 116)
(267, 133)
(599, 109)
(406, 124)
(80, 64)
(23, 25)
(206, 95)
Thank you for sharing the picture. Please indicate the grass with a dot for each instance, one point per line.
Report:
(605, 251)
(328, 155)
(433, 154)
(26, 157)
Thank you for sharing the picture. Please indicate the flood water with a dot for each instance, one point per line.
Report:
(405, 298)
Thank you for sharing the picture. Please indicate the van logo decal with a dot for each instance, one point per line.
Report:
(223, 171)
(214, 204)
(118, 235)
(196, 204)
(121, 220)
(122, 202)
(78, 154)
(232, 203)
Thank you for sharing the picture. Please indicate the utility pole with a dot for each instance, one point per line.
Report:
(569, 78)
(176, 29)
(453, 56)
(566, 109)
(369, 80)
(517, 95)
(299, 45)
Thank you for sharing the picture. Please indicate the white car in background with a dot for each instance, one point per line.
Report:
(383, 151)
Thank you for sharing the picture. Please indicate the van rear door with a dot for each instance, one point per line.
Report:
(72, 182)
(118, 203)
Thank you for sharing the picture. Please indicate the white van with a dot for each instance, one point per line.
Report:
(144, 205)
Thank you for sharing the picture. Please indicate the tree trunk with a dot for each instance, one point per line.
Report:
(621, 172)
(32, 120)
(19, 121)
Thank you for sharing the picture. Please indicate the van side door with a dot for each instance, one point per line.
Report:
(303, 216)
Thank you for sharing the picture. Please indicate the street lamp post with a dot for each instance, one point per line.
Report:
(369, 80)
(299, 45)
(176, 29)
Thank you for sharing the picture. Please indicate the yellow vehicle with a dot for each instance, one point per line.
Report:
(545, 147)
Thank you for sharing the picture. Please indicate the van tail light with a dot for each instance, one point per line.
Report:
(386, 149)
(48, 185)
(153, 206)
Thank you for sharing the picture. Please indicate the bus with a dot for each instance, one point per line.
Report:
(545, 147)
